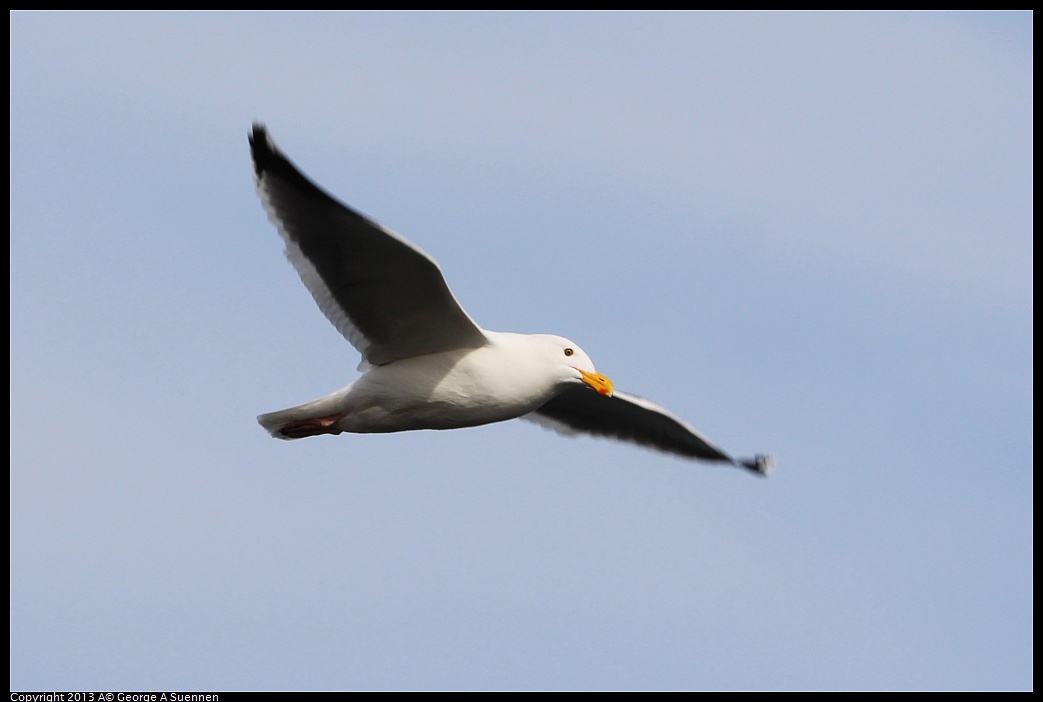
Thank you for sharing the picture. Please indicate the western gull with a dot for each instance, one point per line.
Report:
(426, 364)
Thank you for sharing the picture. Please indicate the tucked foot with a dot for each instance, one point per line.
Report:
(313, 426)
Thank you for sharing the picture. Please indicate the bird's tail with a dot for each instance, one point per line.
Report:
(316, 417)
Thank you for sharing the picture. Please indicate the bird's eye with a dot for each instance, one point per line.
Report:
(569, 352)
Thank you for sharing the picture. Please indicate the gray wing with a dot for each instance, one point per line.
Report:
(386, 296)
(634, 419)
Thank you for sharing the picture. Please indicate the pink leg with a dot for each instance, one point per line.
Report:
(300, 428)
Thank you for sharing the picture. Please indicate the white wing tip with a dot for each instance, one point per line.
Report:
(760, 464)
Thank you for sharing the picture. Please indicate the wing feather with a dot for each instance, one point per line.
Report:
(386, 296)
(634, 419)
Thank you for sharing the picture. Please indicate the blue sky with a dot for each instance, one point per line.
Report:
(807, 234)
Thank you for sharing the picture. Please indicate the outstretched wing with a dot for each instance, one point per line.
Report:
(634, 419)
(386, 296)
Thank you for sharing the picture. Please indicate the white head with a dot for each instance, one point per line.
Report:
(575, 362)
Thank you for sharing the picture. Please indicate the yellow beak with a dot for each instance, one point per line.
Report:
(597, 381)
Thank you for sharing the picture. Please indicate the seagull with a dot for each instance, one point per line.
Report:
(425, 363)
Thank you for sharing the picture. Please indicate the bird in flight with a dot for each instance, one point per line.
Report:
(426, 364)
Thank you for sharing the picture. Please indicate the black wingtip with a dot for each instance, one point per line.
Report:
(275, 173)
(262, 148)
(258, 135)
(760, 464)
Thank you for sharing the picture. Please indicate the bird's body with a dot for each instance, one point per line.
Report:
(446, 390)
(426, 364)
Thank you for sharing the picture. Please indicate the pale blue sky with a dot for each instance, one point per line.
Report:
(807, 234)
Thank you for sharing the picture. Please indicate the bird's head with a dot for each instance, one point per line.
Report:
(578, 364)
